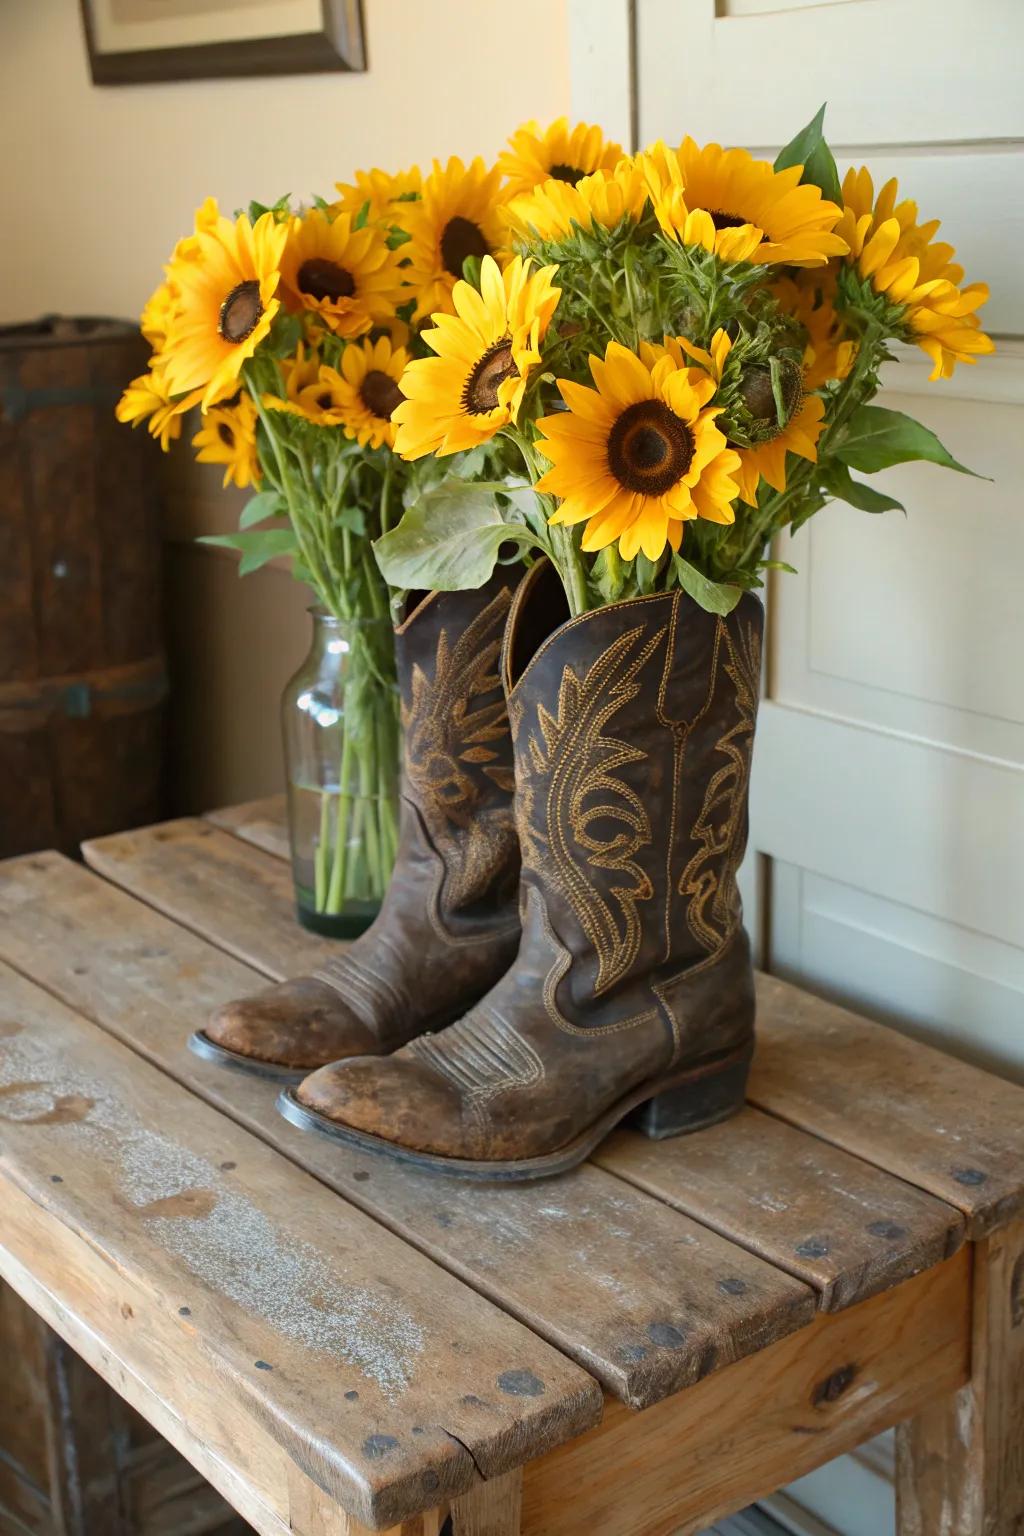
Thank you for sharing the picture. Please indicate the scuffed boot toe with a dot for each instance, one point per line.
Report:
(296, 1026)
(396, 1099)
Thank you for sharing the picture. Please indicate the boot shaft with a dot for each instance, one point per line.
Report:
(458, 775)
(632, 727)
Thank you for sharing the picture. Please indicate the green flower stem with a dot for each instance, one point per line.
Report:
(565, 553)
(320, 864)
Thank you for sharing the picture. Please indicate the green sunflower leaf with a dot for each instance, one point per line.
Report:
(713, 596)
(875, 438)
(257, 546)
(838, 481)
(809, 149)
(261, 506)
(352, 518)
(449, 538)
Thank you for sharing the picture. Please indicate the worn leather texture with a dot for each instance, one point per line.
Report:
(632, 727)
(449, 925)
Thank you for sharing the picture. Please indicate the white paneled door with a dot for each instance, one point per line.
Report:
(888, 786)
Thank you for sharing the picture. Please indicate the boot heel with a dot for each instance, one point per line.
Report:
(713, 1093)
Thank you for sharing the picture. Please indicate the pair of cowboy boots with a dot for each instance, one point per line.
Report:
(551, 961)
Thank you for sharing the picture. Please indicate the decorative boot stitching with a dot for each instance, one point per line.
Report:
(709, 879)
(452, 724)
(483, 1055)
(560, 965)
(569, 755)
(370, 996)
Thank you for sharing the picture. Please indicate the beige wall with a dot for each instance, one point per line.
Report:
(99, 182)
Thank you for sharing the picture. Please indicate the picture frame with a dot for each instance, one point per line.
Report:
(139, 42)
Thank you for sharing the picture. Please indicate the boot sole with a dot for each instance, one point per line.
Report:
(673, 1106)
(200, 1044)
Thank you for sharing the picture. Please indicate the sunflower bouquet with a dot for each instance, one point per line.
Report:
(289, 332)
(678, 350)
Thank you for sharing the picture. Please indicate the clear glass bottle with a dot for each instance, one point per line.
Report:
(340, 716)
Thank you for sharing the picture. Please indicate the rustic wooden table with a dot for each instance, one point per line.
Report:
(339, 1343)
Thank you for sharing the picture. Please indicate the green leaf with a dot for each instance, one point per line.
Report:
(261, 506)
(838, 481)
(809, 149)
(777, 565)
(875, 438)
(352, 518)
(359, 222)
(258, 545)
(714, 596)
(448, 539)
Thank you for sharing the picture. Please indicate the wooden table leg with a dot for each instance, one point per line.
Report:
(492, 1509)
(960, 1463)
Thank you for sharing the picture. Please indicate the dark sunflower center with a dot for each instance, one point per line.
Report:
(726, 220)
(240, 313)
(324, 401)
(323, 279)
(380, 394)
(649, 448)
(757, 394)
(461, 238)
(481, 392)
(570, 173)
(225, 434)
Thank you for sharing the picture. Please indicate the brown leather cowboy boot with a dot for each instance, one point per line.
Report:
(632, 727)
(448, 926)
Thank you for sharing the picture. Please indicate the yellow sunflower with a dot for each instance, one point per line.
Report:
(738, 207)
(348, 277)
(564, 153)
(803, 426)
(905, 263)
(379, 190)
(226, 286)
(457, 216)
(312, 390)
(475, 384)
(552, 210)
(228, 437)
(148, 398)
(369, 392)
(157, 315)
(639, 455)
(810, 296)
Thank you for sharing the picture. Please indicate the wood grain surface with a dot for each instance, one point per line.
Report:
(836, 1222)
(960, 1463)
(643, 1297)
(195, 873)
(284, 1327)
(677, 1468)
(936, 1122)
(260, 822)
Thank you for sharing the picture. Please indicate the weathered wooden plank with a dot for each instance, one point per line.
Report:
(739, 1434)
(260, 822)
(645, 1298)
(287, 1327)
(960, 1463)
(936, 1122)
(194, 872)
(833, 1220)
